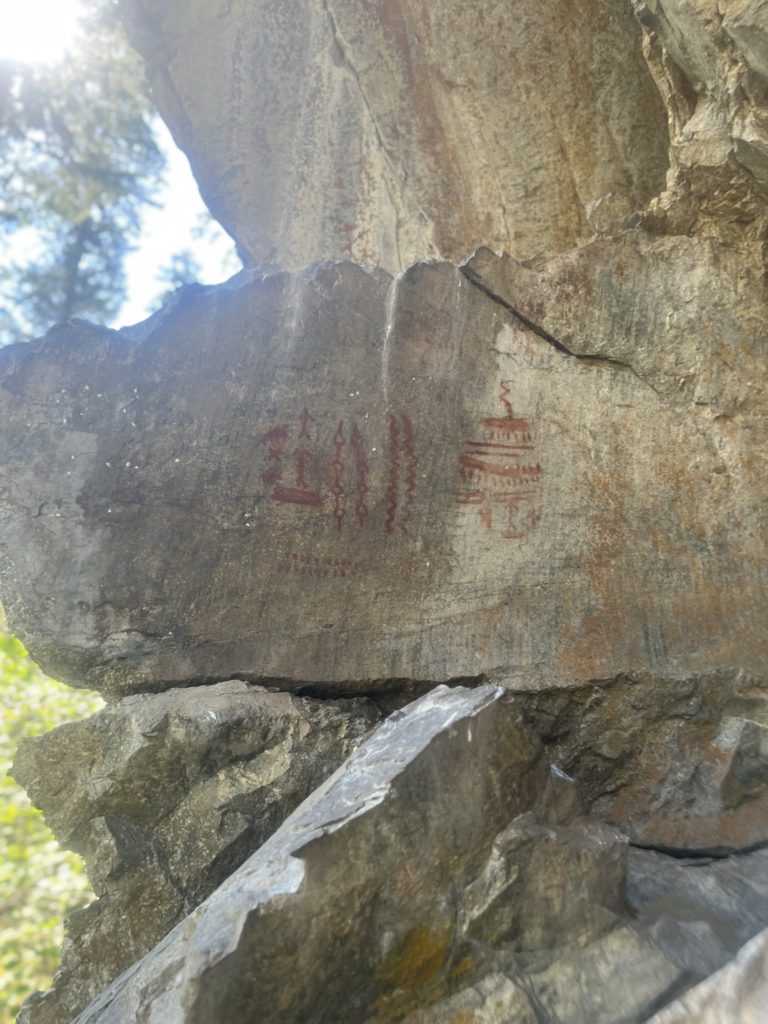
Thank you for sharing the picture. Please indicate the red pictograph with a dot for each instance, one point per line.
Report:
(298, 470)
(317, 466)
(498, 474)
(298, 490)
(401, 486)
(361, 474)
(337, 470)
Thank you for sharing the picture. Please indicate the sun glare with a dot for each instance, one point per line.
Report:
(38, 31)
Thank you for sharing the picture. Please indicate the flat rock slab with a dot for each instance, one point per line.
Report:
(337, 479)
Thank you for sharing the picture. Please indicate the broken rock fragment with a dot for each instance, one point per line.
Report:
(737, 994)
(680, 764)
(164, 796)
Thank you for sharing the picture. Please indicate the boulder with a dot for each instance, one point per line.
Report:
(164, 796)
(339, 481)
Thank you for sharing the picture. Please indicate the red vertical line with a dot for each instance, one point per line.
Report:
(361, 473)
(504, 397)
(304, 421)
(410, 471)
(394, 475)
(337, 466)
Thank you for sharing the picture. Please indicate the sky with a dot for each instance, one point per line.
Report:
(42, 31)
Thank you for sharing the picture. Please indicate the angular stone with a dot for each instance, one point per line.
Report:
(495, 999)
(620, 977)
(361, 903)
(377, 480)
(395, 132)
(545, 886)
(164, 796)
(737, 994)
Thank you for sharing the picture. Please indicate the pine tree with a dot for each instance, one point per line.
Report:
(78, 162)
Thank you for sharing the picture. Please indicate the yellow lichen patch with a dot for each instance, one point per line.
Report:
(462, 969)
(416, 966)
(463, 1017)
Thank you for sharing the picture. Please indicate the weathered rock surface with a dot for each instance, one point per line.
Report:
(678, 764)
(690, 917)
(546, 470)
(376, 480)
(165, 796)
(738, 994)
(710, 60)
(393, 132)
(617, 978)
(698, 912)
(434, 842)
(445, 873)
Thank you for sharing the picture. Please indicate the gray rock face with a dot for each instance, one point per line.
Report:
(545, 470)
(164, 796)
(444, 873)
(678, 764)
(738, 994)
(699, 912)
(380, 889)
(394, 132)
(376, 480)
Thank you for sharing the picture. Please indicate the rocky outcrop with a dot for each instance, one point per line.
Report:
(435, 837)
(164, 796)
(680, 764)
(710, 61)
(446, 872)
(377, 480)
(399, 131)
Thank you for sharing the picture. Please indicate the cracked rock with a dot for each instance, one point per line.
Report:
(164, 796)
(679, 764)
(709, 60)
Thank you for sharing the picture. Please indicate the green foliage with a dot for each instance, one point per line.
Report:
(39, 882)
(78, 162)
